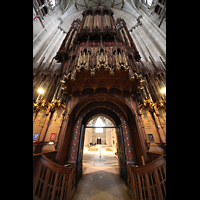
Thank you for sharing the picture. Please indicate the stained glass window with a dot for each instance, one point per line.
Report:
(52, 3)
(149, 2)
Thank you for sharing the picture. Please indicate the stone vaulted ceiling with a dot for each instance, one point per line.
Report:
(112, 3)
(127, 6)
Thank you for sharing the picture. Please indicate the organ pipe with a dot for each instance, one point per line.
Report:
(95, 21)
(85, 23)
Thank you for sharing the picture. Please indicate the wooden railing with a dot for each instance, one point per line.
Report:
(51, 181)
(36, 157)
(148, 181)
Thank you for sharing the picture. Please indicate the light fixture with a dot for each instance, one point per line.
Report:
(163, 90)
(40, 90)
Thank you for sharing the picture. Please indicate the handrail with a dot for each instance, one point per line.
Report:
(148, 181)
(51, 180)
(150, 166)
(54, 166)
(152, 156)
(36, 157)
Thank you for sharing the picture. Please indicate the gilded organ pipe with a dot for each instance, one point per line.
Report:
(74, 35)
(83, 60)
(125, 61)
(116, 61)
(126, 36)
(98, 64)
(106, 61)
(147, 90)
(120, 58)
(78, 63)
(66, 43)
(122, 36)
(87, 62)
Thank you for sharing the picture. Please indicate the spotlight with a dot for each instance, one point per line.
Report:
(40, 90)
(163, 90)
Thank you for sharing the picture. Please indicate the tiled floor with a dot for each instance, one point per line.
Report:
(101, 179)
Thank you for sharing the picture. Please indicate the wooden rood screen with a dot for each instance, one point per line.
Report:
(149, 181)
(52, 181)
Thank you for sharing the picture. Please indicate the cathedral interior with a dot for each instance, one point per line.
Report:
(99, 90)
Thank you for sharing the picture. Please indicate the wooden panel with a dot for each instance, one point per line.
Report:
(52, 181)
(149, 181)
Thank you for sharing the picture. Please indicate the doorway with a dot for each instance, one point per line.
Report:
(100, 177)
(98, 140)
(101, 145)
(98, 148)
(100, 129)
(101, 166)
(84, 137)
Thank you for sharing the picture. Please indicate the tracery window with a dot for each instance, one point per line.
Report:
(99, 123)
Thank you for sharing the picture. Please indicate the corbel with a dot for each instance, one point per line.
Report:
(92, 71)
(161, 104)
(40, 104)
(111, 70)
(147, 105)
(56, 104)
(73, 75)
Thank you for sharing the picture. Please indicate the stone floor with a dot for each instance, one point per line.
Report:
(101, 179)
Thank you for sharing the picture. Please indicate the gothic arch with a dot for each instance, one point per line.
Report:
(123, 102)
(126, 149)
(91, 109)
(104, 115)
(82, 107)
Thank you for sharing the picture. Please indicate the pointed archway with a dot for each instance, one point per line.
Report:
(80, 108)
(77, 141)
(82, 112)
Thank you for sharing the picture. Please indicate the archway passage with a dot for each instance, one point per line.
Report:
(98, 167)
(100, 130)
(100, 142)
(100, 178)
(79, 151)
(126, 149)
